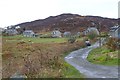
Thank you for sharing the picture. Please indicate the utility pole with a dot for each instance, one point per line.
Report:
(99, 29)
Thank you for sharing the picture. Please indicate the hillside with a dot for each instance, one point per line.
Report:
(68, 22)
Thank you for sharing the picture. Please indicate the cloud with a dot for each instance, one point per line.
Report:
(17, 11)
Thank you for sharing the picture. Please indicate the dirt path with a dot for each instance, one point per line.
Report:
(78, 60)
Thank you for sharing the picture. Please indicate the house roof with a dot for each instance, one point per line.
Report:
(114, 28)
(11, 30)
(28, 31)
(56, 31)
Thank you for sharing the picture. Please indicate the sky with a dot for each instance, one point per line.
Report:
(13, 12)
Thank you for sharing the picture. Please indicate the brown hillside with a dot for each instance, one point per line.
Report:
(68, 22)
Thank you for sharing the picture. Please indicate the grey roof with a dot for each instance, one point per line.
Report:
(114, 28)
(11, 31)
(28, 31)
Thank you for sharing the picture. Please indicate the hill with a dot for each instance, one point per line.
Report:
(68, 22)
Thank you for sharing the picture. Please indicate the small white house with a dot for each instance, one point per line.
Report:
(115, 32)
(28, 33)
(56, 33)
(11, 31)
(91, 29)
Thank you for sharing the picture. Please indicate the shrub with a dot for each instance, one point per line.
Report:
(112, 44)
(92, 35)
(71, 39)
(45, 36)
(104, 34)
(5, 34)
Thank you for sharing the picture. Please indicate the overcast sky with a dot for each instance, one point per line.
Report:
(17, 11)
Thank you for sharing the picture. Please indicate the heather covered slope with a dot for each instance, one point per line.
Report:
(68, 22)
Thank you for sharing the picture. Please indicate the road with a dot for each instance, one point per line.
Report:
(78, 60)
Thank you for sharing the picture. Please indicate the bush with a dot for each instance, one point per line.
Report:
(5, 34)
(92, 35)
(104, 34)
(45, 36)
(72, 39)
(112, 44)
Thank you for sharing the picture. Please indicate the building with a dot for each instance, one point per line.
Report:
(56, 33)
(11, 31)
(67, 34)
(91, 30)
(28, 33)
(2, 30)
(115, 32)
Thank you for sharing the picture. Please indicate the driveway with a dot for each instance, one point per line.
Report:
(78, 60)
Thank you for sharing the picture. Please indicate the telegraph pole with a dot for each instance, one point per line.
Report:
(99, 29)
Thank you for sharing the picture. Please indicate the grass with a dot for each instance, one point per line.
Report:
(20, 38)
(71, 72)
(103, 56)
(38, 60)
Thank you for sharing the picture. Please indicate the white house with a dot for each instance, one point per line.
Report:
(56, 33)
(28, 33)
(91, 29)
(11, 31)
(115, 32)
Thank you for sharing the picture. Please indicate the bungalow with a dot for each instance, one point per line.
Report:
(56, 33)
(11, 31)
(115, 32)
(28, 33)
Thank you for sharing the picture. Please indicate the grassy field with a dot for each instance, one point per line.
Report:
(20, 38)
(38, 57)
(103, 56)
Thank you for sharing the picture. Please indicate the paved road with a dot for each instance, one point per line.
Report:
(78, 60)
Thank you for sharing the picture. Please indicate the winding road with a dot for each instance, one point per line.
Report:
(78, 60)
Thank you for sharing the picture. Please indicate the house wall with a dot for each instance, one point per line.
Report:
(11, 32)
(56, 34)
(115, 34)
(28, 34)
